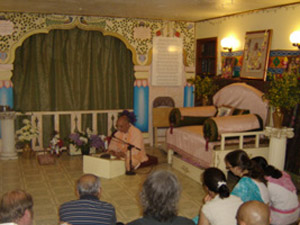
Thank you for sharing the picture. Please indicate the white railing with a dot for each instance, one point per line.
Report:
(75, 121)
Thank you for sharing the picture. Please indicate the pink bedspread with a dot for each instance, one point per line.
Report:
(189, 142)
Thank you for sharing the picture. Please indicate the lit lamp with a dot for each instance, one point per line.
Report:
(295, 39)
(228, 43)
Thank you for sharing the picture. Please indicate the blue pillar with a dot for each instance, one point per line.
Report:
(141, 104)
(188, 96)
(6, 95)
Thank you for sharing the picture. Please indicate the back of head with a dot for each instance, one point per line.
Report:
(215, 180)
(14, 204)
(88, 184)
(253, 213)
(160, 195)
(240, 159)
(268, 169)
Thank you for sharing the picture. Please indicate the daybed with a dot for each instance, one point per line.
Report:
(235, 121)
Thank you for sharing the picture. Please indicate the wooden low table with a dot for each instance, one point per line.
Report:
(106, 168)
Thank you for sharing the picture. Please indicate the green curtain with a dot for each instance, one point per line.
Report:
(72, 70)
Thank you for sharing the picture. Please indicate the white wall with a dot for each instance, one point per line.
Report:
(283, 21)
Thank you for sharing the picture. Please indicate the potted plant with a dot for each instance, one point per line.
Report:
(86, 140)
(283, 94)
(204, 88)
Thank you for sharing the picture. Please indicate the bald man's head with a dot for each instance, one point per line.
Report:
(253, 213)
(89, 184)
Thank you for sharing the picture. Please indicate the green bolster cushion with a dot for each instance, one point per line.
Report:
(176, 119)
(215, 126)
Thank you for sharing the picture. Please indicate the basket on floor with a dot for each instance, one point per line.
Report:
(45, 158)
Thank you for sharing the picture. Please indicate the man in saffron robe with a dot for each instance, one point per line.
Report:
(127, 133)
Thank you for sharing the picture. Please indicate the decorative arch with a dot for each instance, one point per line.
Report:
(75, 23)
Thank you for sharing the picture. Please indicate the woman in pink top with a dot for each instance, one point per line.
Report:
(284, 204)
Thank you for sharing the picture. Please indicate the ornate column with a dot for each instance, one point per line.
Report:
(277, 151)
(8, 136)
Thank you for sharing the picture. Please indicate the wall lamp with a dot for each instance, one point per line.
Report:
(295, 39)
(228, 43)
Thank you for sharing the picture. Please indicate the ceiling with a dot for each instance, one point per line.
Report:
(184, 10)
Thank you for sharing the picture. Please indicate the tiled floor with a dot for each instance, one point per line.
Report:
(51, 185)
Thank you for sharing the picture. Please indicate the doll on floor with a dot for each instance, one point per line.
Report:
(56, 144)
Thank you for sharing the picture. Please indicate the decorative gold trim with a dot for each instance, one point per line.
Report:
(75, 23)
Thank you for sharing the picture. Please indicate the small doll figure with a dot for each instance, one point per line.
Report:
(56, 144)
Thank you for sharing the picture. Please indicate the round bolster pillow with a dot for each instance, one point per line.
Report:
(188, 116)
(215, 126)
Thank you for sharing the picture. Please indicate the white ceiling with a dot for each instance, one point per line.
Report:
(185, 10)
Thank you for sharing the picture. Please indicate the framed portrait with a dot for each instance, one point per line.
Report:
(256, 54)
(228, 67)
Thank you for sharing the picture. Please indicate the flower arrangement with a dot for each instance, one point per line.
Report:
(27, 132)
(284, 91)
(86, 140)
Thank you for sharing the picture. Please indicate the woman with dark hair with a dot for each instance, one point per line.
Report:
(284, 204)
(252, 184)
(159, 197)
(220, 207)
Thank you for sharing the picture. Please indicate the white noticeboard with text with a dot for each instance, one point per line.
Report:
(167, 61)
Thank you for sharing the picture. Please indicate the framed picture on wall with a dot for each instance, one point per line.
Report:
(292, 64)
(228, 64)
(256, 54)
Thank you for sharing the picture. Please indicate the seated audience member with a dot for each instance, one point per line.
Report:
(127, 133)
(220, 207)
(284, 204)
(253, 213)
(16, 208)
(159, 197)
(88, 209)
(252, 184)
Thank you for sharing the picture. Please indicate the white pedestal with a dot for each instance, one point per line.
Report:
(277, 151)
(106, 168)
(8, 136)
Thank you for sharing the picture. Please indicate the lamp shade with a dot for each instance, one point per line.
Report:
(227, 42)
(295, 37)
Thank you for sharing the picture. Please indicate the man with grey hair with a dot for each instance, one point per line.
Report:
(253, 213)
(159, 197)
(88, 209)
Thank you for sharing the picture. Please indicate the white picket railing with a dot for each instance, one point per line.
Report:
(75, 121)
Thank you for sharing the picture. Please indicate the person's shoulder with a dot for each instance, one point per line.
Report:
(135, 128)
(235, 198)
(135, 131)
(183, 220)
(245, 180)
(140, 221)
(8, 224)
(106, 204)
(69, 203)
